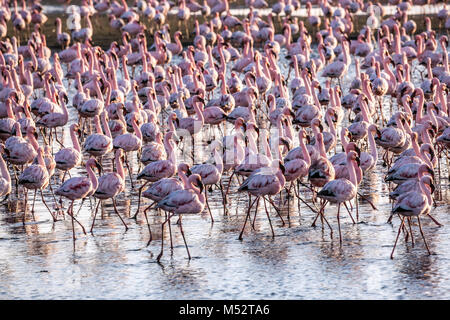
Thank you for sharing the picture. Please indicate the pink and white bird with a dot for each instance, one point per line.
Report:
(110, 185)
(190, 200)
(69, 158)
(36, 177)
(341, 190)
(77, 188)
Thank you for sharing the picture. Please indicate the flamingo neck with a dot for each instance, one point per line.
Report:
(219, 161)
(184, 179)
(425, 191)
(92, 177)
(75, 142)
(373, 146)
(137, 130)
(119, 166)
(330, 125)
(4, 170)
(352, 172)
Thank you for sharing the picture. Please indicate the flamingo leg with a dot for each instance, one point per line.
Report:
(256, 211)
(162, 239)
(129, 170)
(148, 223)
(184, 238)
(268, 217)
(349, 213)
(276, 209)
(45, 203)
(117, 212)
(339, 224)
(246, 218)
(34, 200)
(95, 215)
(139, 199)
(207, 205)
(410, 231)
(435, 221)
(73, 226)
(396, 239)
(423, 236)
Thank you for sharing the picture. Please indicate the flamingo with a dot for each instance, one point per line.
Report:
(341, 190)
(69, 158)
(266, 181)
(36, 177)
(157, 170)
(79, 188)
(210, 174)
(110, 185)
(190, 200)
(413, 203)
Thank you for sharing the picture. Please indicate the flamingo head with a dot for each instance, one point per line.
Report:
(184, 167)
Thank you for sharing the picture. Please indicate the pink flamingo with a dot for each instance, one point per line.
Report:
(36, 177)
(266, 181)
(163, 187)
(157, 170)
(187, 201)
(413, 203)
(110, 185)
(79, 188)
(341, 190)
(69, 158)
(211, 174)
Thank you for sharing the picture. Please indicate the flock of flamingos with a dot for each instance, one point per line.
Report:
(268, 130)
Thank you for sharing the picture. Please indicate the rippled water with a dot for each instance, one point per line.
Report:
(38, 259)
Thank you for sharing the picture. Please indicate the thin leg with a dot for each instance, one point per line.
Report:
(423, 236)
(349, 213)
(396, 239)
(339, 223)
(268, 217)
(162, 239)
(184, 238)
(256, 211)
(117, 212)
(95, 215)
(139, 199)
(207, 205)
(45, 203)
(148, 224)
(246, 218)
(410, 231)
(435, 221)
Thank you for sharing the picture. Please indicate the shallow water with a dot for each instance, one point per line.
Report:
(38, 259)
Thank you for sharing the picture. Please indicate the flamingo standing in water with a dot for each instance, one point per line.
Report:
(36, 177)
(157, 170)
(266, 181)
(5, 178)
(69, 158)
(190, 200)
(110, 185)
(341, 190)
(210, 173)
(162, 188)
(413, 204)
(79, 188)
